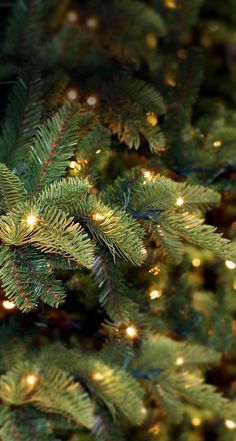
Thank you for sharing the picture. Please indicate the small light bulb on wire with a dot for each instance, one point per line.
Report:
(31, 220)
(152, 119)
(98, 151)
(72, 94)
(131, 332)
(230, 265)
(97, 376)
(171, 4)
(231, 425)
(8, 305)
(92, 22)
(98, 217)
(91, 100)
(30, 380)
(179, 361)
(170, 79)
(217, 143)
(155, 294)
(196, 422)
(179, 202)
(155, 430)
(72, 16)
(196, 262)
(152, 40)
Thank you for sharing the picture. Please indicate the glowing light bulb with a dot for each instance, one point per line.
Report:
(155, 294)
(179, 202)
(98, 217)
(170, 79)
(72, 16)
(144, 252)
(8, 305)
(230, 424)
(196, 422)
(147, 174)
(131, 332)
(97, 376)
(171, 4)
(152, 119)
(72, 94)
(72, 164)
(230, 265)
(31, 220)
(217, 144)
(91, 100)
(234, 285)
(179, 361)
(92, 22)
(98, 151)
(155, 429)
(154, 270)
(144, 410)
(152, 40)
(196, 262)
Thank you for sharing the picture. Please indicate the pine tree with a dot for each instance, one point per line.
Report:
(117, 281)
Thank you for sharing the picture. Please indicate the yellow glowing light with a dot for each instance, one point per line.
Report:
(72, 16)
(155, 294)
(179, 202)
(92, 22)
(196, 262)
(97, 376)
(196, 422)
(152, 119)
(98, 217)
(155, 429)
(91, 100)
(170, 4)
(179, 361)
(230, 265)
(144, 251)
(8, 305)
(31, 220)
(230, 424)
(217, 144)
(152, 40)
(234, 285)
(147, 174)
(98, 151)
(144, 410)
(31, 379)
(72, 94)
(131, 332)
(154, 270)
(73, 164)
(170, 79)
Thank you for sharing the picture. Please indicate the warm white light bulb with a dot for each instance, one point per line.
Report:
(72, 16)
(31, 379)
(155, 294)
(196, 422)
(92, 22)
(91, 100)
(179, 361)
(179, 202)
(131, 332)
(98, 217)
(196, 262)
(230, 424)
(31, 220)
(97, 376)
(8, 305)
(230, 265)
(72, 94)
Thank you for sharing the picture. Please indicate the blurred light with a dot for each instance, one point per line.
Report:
(152, 119)
(91, 100)
(31, 220)
(217, 143)
(98, 217)
(230, 424)
(72, 94)
(155, 294)
(234, 285)
(196, 262)
(154, 270)
(155, 429)
(179, 202)
(98, 151)
(73, 164)
(8, 305)
(230, 265)
(182, 54)
(72, 16)
(170, 4)
(152, 40)
(131, 332)
(179, 361)
(97, 376)
(92, 23)
(196, 422)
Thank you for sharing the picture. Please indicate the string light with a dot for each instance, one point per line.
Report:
(98, 217)
(152, 40)
(147, 174)
(196, 422)
(230, 265)
(30, 380)
(72, 16)
(179, 361)
(155, 430)
(144, 410)
(170, 79)
(98, 151)
(8, 305)
(72, 94)
(231, 425)
(234, 285)
(179, 202)
(91, 100)
(131, 332)
(92, 22)
(155, 294)
(31, 220)
(196, 262)
(170, 4)
(152, 119)
(154, 270)
(97, 376)
(217, 144)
